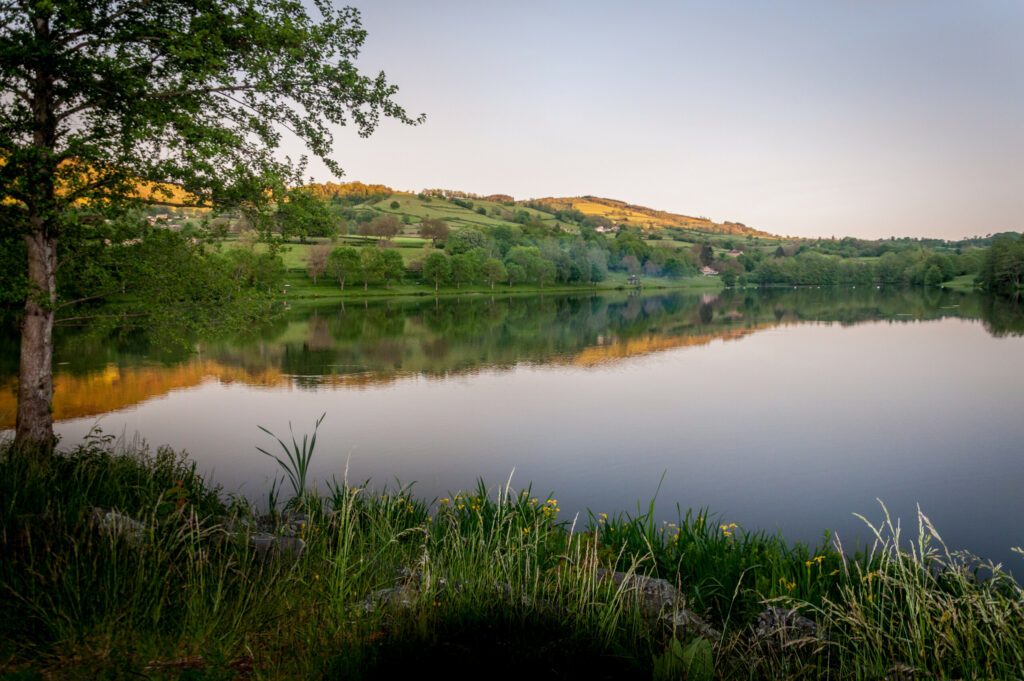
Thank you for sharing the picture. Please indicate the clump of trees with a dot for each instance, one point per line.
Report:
(301, 214)
(363, 265)
(435, 230)
(1002, 270)
(384, 227)
(918, 267)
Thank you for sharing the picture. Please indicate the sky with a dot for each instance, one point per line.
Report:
(866, 118)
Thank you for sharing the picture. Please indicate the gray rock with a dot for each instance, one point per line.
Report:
(263, 543)
(901, 672)
(269, 546)
(116, 524)
(290, 547)
(403, 596)
(655, 595)
(680, 618)
(784, 626)
(660, 601)
(294, 523)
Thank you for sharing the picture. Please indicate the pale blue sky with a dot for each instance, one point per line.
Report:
(814, 117)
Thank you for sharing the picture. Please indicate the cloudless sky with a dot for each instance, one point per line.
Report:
(814, 118)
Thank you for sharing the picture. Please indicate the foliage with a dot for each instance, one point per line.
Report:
(301, 214)
(296, 460)
(433, 229)
(465, 240)
(343, 263)
(1002, 270)
(437, 268)
(384, 226)
(109, 103)
(494, 271)
(316, 263)
(473, 569)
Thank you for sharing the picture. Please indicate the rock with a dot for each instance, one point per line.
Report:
(290, 547)
(294, 523)
(403, 596)
(268, 546)
(660, 601)
(655, 594)
(680, 618)
(115, 524)
(262, 543)
(901, 672)
(784, 627)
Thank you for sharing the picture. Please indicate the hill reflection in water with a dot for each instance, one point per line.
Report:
(365, 343)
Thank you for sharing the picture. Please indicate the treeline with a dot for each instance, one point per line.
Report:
(534, 254)
(150, 276)
(541, 254)
(919, 267)
(349, 192)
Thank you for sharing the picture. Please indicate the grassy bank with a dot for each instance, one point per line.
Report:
(299, 286)
(171, 587)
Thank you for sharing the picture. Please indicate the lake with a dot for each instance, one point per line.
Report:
(785, 410)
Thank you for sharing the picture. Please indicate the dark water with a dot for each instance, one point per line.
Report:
(786, 410)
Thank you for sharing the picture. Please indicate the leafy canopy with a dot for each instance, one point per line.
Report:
(99, 94)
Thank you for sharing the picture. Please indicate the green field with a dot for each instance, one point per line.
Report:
(456, 216)
(299, 286)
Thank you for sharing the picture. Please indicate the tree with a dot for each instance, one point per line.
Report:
(466, 239)
(391, 266)
(494, 271)
(437, 268)
(316, 262)
(342, 263)
(385, 227)
(433, 229)
(1002, 270)
(395, 205)
(300, 213)
(99, 97)
(516, 273)
(706, 254)
(467, 267)
(371, 266)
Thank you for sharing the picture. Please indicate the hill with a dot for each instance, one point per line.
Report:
(620, 212)
(465, 209)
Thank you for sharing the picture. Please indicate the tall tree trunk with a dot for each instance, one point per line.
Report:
(34, 424)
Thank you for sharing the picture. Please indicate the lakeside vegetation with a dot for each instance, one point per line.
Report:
(164, 580)
(436, 240)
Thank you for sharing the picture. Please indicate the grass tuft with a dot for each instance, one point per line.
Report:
(162, 583)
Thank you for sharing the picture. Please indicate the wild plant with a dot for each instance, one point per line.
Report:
(296, 460)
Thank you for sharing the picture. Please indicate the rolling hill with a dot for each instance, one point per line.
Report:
(462, 209)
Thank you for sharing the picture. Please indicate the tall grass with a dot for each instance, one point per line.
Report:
(490, 575)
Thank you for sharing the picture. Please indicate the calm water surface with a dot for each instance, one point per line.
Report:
(785, 410)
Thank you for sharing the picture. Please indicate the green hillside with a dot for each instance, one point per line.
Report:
(570, 214)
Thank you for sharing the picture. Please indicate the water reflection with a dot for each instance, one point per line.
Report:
(367, 343)
(786, 409)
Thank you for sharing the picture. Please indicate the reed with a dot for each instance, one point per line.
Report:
(164, 583)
